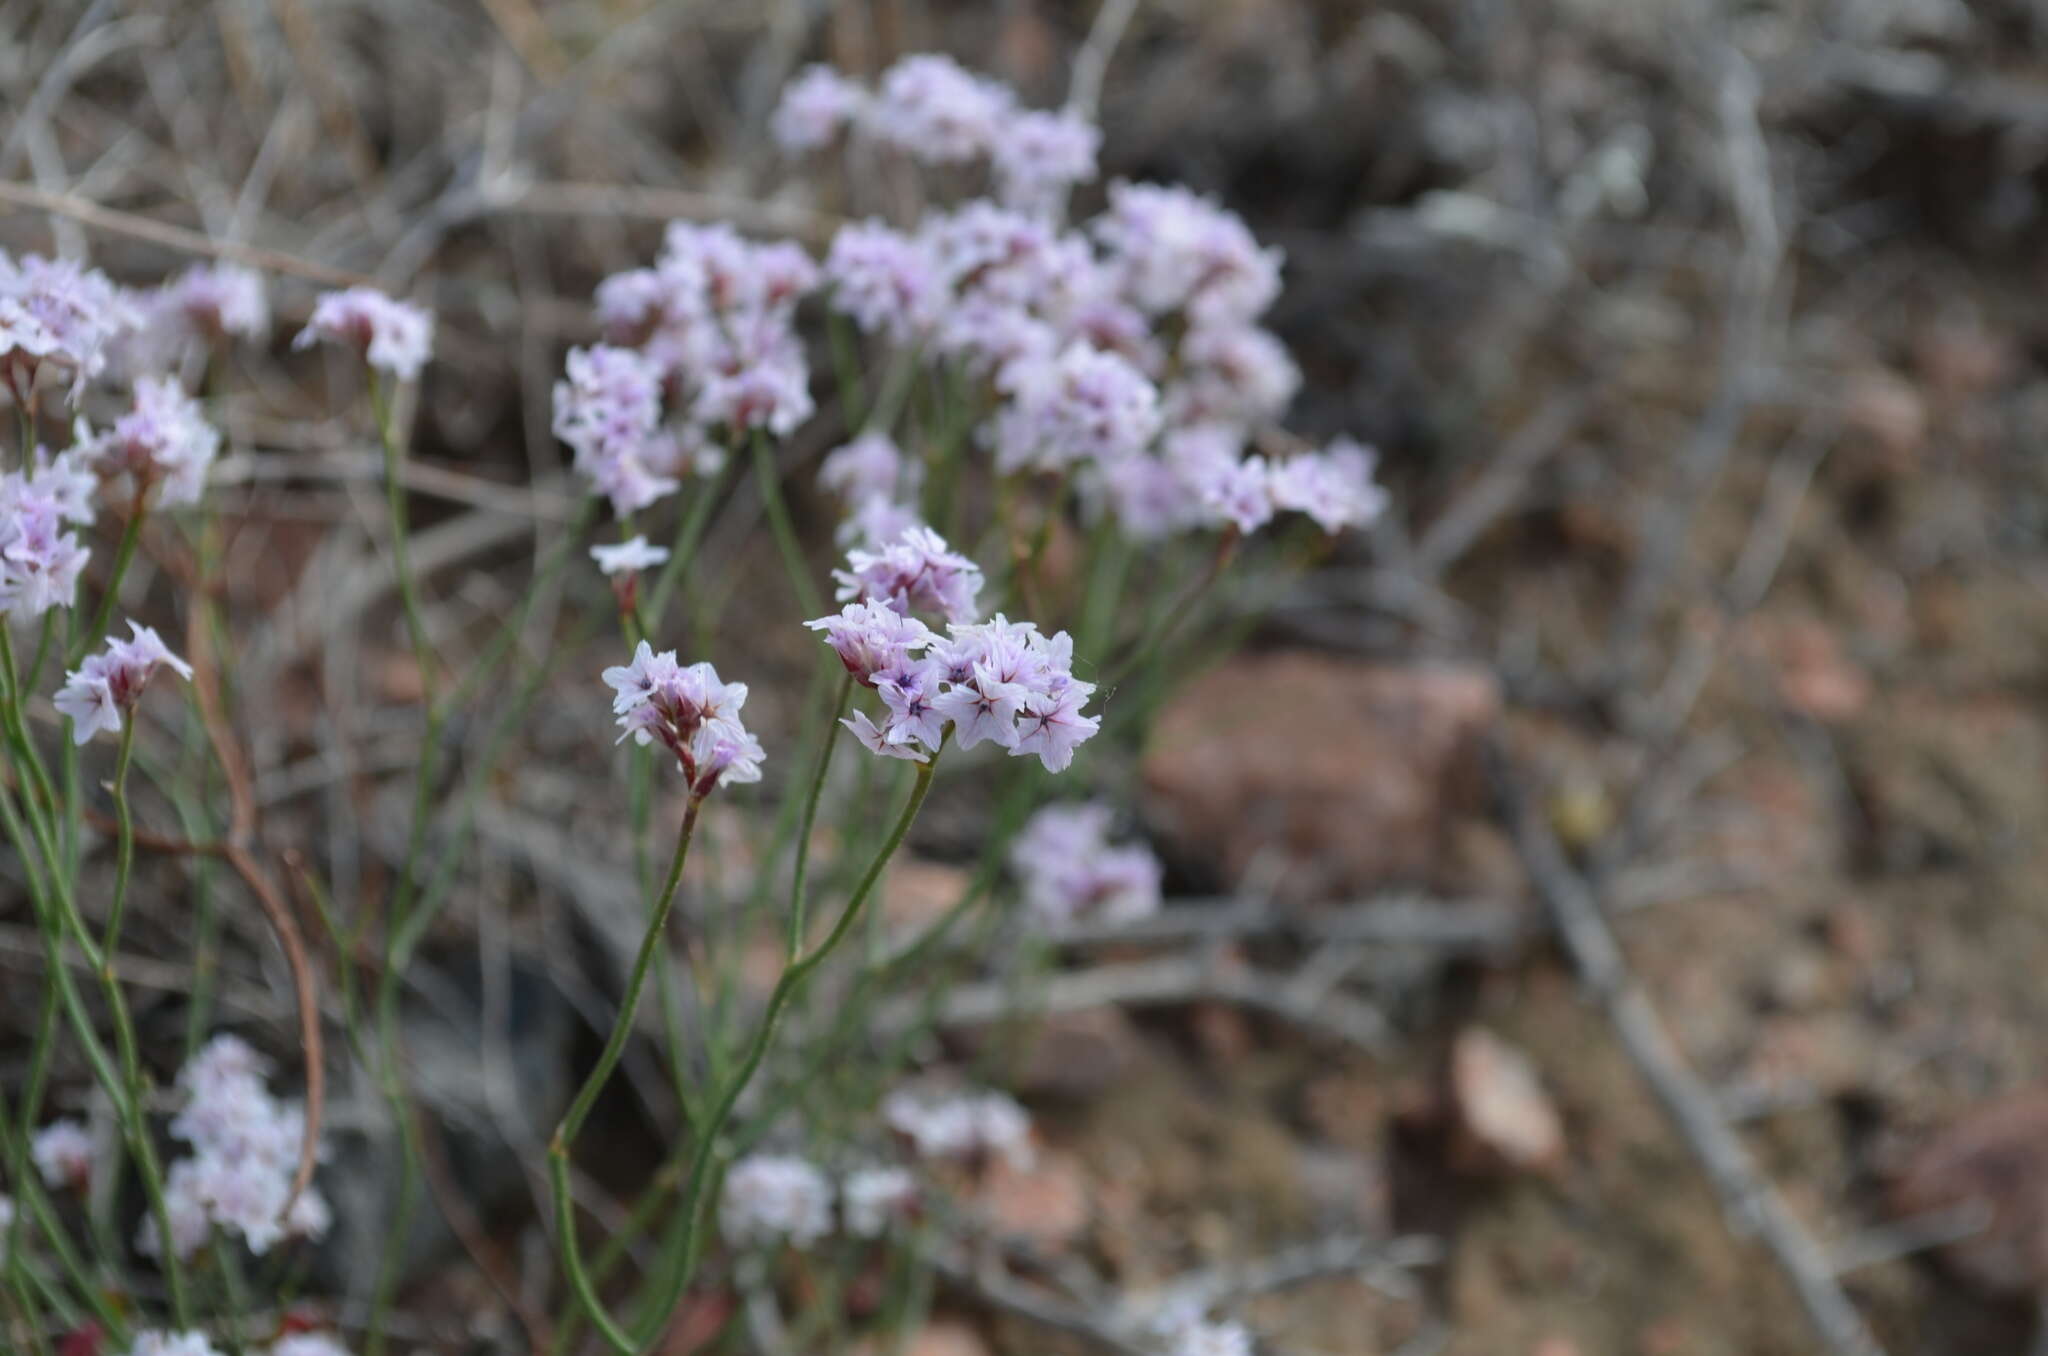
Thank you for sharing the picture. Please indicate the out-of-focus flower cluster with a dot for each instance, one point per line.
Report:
(1072, 874)
(393, 336)
(40, 557)
(161, 1343)
(58, 313)
(964, 1127)
(699, 347)
(1128, 350)
(245, 1148)
(63, 1154)
(777, 1198)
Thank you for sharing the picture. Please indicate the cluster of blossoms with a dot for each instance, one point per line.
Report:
(203, 307)
(1001, 681)
(694, 715)
(395, 337)
(963, 1127)
(877, 483)
(63, 1154)
(245, 1147)
(931, 109)
(773, 1198)
(100, 692)
(164, 440)
(1071, 874)
(40, 558)
(1128, 349)
(57, 312)
(160, 1343)
(707, 334)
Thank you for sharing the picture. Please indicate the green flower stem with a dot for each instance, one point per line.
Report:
(793, 979)
(797, 900)
(124, 555)
(600, 1074)
(124, 842)
(770, 478)
(57, 913)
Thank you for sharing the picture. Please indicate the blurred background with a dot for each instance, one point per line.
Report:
(1702, 349)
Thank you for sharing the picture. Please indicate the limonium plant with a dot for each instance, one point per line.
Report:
(1006, 433)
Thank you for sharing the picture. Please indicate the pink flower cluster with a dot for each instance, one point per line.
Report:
(966, 1127)
(877, 483)
(392, 336)
(58, 312)
(716, 317)
(999, 681)
(101, 691)
(163, 441)
(694, 715)
(777, 1198)
(933, 110)
(1084, 406)
(914, 572)
(608, 410)
(245, 1148)
(1071, 874)
(40, 559)
(157, 1342)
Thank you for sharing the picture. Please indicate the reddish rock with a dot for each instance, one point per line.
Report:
(1505, 1120)
(1997, 1155)
(1353, 773)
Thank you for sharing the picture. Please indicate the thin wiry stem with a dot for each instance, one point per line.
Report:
(600, 1074)
(786, 989)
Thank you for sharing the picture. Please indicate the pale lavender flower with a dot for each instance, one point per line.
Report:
(989, 336)
(213, 301)
(1051, 726)
(875, 521)
(756, 377)
(100, 692)
(1038, 156)
(157, 1342)
(57, 311)
(1083, 406)
(691, 712)
(873, 1199)
(989, 251)
(392, 336)
(917, 572)
(966, 1126)
(608, 410)
(1177, 250)
(909, 690)
(815, 108)
(63, 1154)
(730, 274)
(164, 440)
(771, 1198)
(1071, 873)
(870, 466)
(1234, 373)
(869, 637)
(1335, 486)
(876, 739)
(245, 1145)
(308, 1344)
(628, 557)
(40, 561)
(887, 282)
(938, 112)
(1239, 493)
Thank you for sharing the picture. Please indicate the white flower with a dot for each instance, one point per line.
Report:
(63, 1153)
(628, 557)
(392, 336)
(100, 692)
(771, 1197)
